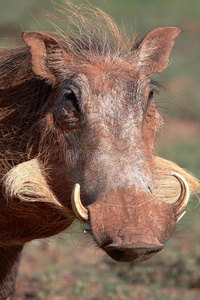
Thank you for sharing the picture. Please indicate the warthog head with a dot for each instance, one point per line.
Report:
(90, 131)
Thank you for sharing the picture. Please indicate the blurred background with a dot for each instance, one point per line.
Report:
(69, 266)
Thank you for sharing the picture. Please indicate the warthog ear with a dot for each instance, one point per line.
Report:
(154, 50)
(48, 56)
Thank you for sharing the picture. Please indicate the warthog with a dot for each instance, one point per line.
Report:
(77, 128)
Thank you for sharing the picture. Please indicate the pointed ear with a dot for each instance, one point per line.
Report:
(154, 50)
(48, 57)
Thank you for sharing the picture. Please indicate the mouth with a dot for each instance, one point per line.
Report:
(130, 253)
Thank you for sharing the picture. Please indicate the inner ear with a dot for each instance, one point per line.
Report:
(48, 56)
(154, 50)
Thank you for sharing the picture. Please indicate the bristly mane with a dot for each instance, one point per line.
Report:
(89, 32)
(89, 29)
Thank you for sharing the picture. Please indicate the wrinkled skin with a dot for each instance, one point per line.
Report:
(115, 125)
(94, 124)
(107, 118)
(142, 234)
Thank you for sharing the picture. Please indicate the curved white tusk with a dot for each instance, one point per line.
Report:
(183, 199)
(80, 211)
(178, 217)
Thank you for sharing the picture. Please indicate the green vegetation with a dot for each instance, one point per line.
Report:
(57, 268)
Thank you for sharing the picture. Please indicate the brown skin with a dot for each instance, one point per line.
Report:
(89, 119)
(142, 234)
(118, 119)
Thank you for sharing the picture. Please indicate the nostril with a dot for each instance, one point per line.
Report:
(117, 254)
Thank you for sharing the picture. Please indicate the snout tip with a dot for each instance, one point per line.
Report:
(129, 253)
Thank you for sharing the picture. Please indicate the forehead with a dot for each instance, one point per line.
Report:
(104, 75)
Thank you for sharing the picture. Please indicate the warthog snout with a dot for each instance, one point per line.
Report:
(128, 224)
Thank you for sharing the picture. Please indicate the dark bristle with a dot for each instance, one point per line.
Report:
(137, 43)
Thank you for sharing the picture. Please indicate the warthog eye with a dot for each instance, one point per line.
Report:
(150, 98)
(71, 101)
(151, 93)
(66, 111)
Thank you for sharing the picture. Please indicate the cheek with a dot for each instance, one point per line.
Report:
(159, 120)
(149, 126)
(149, 130)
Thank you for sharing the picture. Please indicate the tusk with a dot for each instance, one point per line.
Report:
(183, 199)
(80, 211)
(179, 216)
